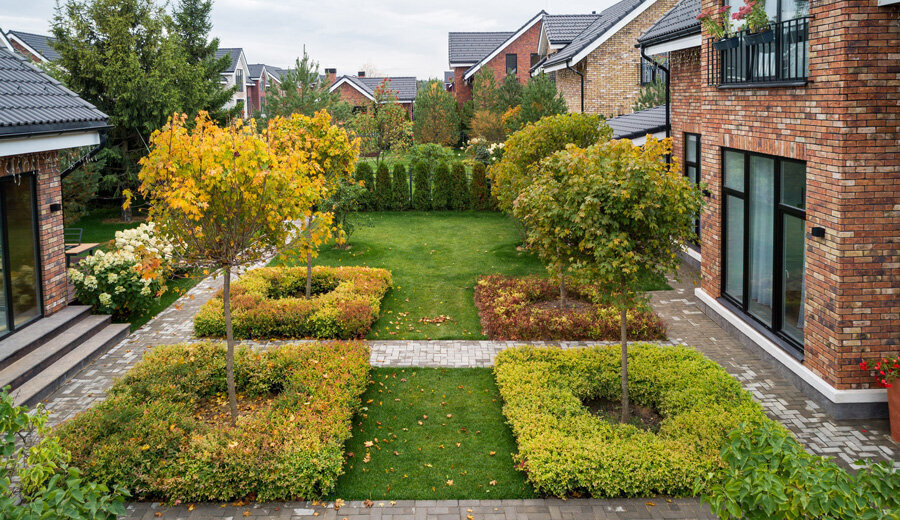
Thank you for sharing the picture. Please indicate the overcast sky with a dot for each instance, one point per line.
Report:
(395, 37)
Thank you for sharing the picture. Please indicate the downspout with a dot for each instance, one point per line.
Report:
(668, 84)
(582, 82)
(86, 157)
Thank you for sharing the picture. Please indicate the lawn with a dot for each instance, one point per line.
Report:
(431, 434)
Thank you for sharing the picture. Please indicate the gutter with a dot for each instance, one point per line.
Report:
(582, 89)
(86, 157)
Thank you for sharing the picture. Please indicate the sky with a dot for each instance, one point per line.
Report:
(391, 37)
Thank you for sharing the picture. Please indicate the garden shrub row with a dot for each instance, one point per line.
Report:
(566, 450)
(150, 437)
(439, 186)
(271, 302)
(509, 310)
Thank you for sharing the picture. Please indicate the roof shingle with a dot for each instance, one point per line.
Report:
(638, 124)
(39, 42)
(470, 47)
(405, 87)
(604, 22)
(234, 53)
(679, 21)
(563, 28)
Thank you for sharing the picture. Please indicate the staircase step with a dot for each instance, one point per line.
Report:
(43, 356)
(33, 336)
(52, 377)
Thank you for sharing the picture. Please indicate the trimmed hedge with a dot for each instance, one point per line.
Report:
(565, 449)
(383, 192)
(270, 302)
(147, 436)
(421, 187)
(399, 188)
(508, 311)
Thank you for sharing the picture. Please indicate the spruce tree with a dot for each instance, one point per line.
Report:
(400, 188)
(422, 187)
(383, 192)
(459, 195)
(442, 190)
(302, 91)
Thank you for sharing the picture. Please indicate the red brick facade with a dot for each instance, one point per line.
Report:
(356, 98)
(845, 124)
(25, 52)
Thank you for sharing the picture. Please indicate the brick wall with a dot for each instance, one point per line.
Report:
(845, 123)
(25, 52)
(353, 96)
(461, 89)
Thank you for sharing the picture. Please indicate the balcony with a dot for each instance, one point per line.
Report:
(778, 57)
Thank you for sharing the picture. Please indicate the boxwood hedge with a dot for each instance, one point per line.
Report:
(271, 303)
(149, 437)
(566, 450)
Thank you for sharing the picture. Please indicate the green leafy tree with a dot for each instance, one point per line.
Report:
(487, 119)
(612, 214)
(484, 90)
(509, 94)
(443, 187)
(343, 203)
(366, 177)
(383, 192)
(301, 91)
(459, 193)
(400, 188)
(466, 112)
(481, 196)
(383, 126)
(437, 117)
(652, 94)
(540, 99)
(421, 186)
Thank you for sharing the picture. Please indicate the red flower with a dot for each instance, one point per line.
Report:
(863, 365)
(724, 9)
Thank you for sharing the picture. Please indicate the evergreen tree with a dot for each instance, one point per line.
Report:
(422, 187)
(652, 94)
(383, 193)
(437, 116)
(540, 99)
(301, 91)
(481, 197)
(509, 94)
(459, 199)
(400, 188)
(192, 24)
(443, 187)
(365, 175)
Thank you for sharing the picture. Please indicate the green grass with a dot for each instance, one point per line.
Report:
(435, 259)
(415, 457)
(100, 224)
(175, 288)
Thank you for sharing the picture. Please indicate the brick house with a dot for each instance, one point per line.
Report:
(504, 53)
(599, 71)
(36, 47)
(237, 74)
(262, 77)
(796, 137)
(359, 90)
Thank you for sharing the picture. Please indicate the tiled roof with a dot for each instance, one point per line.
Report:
(680, 21)
(38, 42)
(563, 28)
(32, 102)
(405, 87)
(234, 53)
(277, 72)
(531, 21)
(604, 22)
(256, 70)
(639, 124)
(471, 47)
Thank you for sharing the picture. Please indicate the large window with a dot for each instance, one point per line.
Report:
(511, 64)
(765, 241)
(692, 170)
(239, 79)
(650, 72)
(20, 293)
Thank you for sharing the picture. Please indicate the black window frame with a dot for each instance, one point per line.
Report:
(696, 165)
(773, 331)
(515, 64)
(11, 326)
(649, 70)
(534, 58)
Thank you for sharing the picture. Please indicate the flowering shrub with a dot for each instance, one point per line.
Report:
(885, 370)
(151, 436)
(118, 283)
(753, 14)
(715, 21)
(480, 150)
(143, 240)
(270, 303)
(565, 449)
(509, 311)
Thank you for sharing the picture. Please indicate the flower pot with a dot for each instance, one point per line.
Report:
(726, 43)
(894, 409)
(759, 38)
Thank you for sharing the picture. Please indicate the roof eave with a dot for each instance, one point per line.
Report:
(664, 38)
(52, 128)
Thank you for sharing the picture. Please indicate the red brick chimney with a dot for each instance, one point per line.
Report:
(330, 76)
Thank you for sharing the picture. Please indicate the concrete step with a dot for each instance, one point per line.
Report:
(43, 356)
(33, 336)
(53, 376)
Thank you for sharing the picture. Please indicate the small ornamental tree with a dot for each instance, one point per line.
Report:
(459, 193)
(383, 126)
(343, 203)
(486, 119)
(383, 193)
(480, 195)
(437, 116)
(399, 188)
(442, 190)
(540, 99)
(612, 214)
(421, 187)
(366, 177)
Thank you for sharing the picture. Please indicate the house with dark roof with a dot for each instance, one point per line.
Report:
(638, 125)
(503, 53)
(262, 78)
(593, 58)
(236, 75)
(359, 90)
(794, 130)
(36, 47)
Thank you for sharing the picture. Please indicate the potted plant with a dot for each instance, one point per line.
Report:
(887, 374)
(715, 23)
(756, 22)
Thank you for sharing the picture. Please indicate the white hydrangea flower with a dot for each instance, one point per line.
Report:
(105, 298)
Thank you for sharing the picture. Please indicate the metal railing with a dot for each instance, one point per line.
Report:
(779, 55)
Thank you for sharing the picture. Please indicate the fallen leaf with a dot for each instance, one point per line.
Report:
(450, 482)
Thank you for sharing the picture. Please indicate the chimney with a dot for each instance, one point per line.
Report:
(361, 74)
(330, 76)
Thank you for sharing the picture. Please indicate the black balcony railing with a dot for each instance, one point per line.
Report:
(777, 56)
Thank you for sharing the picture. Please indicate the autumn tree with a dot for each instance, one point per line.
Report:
(383, 126)
(302, 90)
(437, 116)
(383, 191)
(399, 188)
(612, 214)
(486, 119)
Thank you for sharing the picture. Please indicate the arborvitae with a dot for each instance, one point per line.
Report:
(441, 192)
(459, 194)
(400, 187)
(364, 174)
(421, 187)
(481, 198)
(383, 193)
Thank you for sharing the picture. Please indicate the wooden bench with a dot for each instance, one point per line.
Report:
(75, 250)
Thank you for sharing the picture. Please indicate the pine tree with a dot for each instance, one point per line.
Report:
(422, 191)
(437, 116)
(442, 190)
(301, 91)
(459, 199)
(481, 198)
(400, 188)
(364, 175)
(540, 99)
(383, 192)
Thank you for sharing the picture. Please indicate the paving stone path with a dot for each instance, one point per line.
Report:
(847, 441)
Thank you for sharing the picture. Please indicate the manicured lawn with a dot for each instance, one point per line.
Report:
(434, 434)
(100, 224)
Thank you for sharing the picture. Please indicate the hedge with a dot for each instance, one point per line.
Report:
(566, 450)
(270, 302)
(508, 309)
(149, 438)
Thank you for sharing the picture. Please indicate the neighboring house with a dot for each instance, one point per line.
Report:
(638, 125)
(503, 53)
(237, 74)
(796, 140)
(448, 80)
(359, 90)
(599, 70)
(262, 78)
(36, 47)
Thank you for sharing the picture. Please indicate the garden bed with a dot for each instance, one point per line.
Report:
(528, 308)
(270, 303)
(161, 433)
(566, 450)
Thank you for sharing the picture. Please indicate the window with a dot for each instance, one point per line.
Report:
(20, 266)
(511, 65)
(764, 246)
(649, 70)
(239, 79)
(535, 57)
(692, 170)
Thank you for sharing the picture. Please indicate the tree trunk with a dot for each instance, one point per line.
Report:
(229, 341)
(126, 214)
(308, 262)
(562, 290)
(624, 324)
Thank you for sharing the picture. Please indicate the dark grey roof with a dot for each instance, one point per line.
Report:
(234, 53)
(40, 43)
(604, 22)
(277, 72)
(31, 102)
(680, 21)
(639, 124)
(563, 28)
(530, 21)
(405, 87)
(256, 70)
(471, 47)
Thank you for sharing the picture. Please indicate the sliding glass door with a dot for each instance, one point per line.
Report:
(764, 240)
(20, 284)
